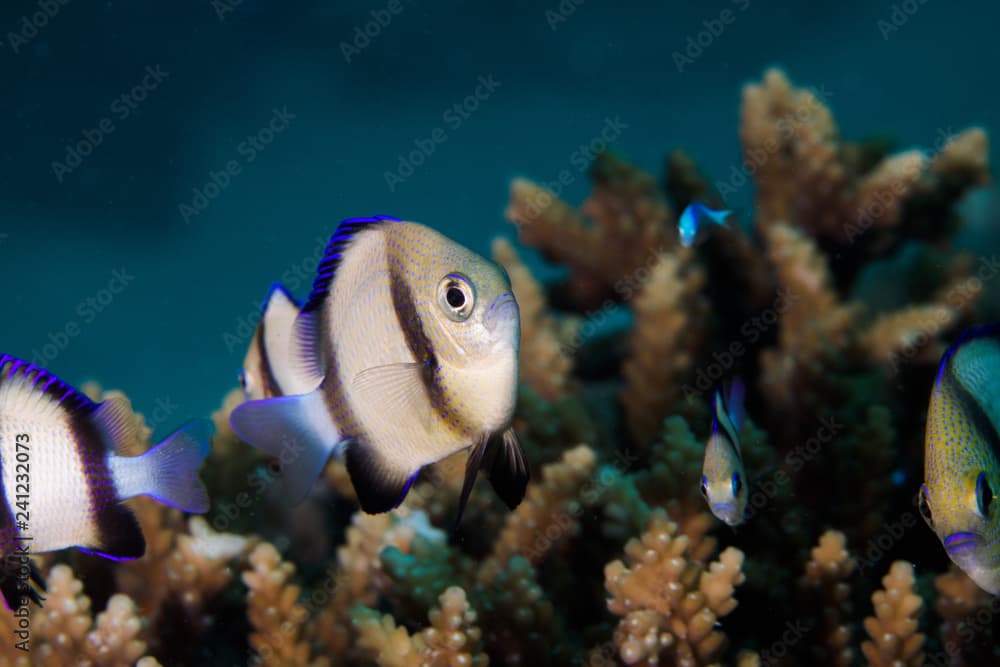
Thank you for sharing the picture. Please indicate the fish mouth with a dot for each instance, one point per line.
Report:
(962, 541)
(503, 311)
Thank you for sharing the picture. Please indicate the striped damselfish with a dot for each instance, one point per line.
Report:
(411, 342)
(65, 474)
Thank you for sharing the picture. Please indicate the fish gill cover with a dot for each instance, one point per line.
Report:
(833, 297)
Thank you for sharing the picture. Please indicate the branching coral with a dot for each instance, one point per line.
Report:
(669, 602)
(452, 640)
(631, 222)
(826, 578)
(546, 357)
(274, 612)
(670, 317)
(967, 613)
(790, 138)
(549, 513)
(895, 641)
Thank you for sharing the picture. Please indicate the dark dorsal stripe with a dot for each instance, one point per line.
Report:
(332, 255)
(270, 383)
(413, 330)
(720, 417)
(91, 447)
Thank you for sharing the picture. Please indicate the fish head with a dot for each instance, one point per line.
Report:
(725, 491)
(966, 517)
(476, 319)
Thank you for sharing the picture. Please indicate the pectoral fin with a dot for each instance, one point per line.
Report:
(401, 388)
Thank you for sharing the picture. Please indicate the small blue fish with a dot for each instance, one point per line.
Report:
(723, 478)
(693, 217)
(961, 457)
(64, 475)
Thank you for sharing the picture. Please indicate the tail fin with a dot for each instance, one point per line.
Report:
(168, 471)
(297, 430)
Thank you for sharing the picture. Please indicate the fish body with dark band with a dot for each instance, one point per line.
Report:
(412, 342)
(269, 369)
(64, 474)
(961, 462)
(723, 478)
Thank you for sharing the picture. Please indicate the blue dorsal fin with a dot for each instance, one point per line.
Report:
(38, 379)
(334, 252)
(972, 333)
(308, 354)
(734, 403)
(272, 291)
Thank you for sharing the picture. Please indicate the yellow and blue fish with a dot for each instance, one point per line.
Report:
(961, 468)
(411, 342)
(269, 369)
(723, 478)
(64, 475)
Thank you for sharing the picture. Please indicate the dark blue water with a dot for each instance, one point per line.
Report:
(224, 142)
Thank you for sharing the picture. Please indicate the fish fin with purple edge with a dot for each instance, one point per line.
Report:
(381, 484)
(296, 430)
(17, 592)
(735, 398)
(308, 355)
(119, 535)
(169, 471)
(400, 388)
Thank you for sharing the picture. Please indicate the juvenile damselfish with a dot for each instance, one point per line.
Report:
(961, 468)
(693, 217)
(723, 478)
(64, 475)
(411, 341)
(269, 368)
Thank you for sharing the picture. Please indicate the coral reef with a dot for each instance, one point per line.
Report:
(612, 558)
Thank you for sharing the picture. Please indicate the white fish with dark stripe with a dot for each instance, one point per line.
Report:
(723, 478)
(269, 368)
(412, 341)
(64, 476)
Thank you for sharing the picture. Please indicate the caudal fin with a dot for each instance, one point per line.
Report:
(297, 430)
(168, 471)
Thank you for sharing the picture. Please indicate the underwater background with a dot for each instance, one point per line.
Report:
(163, 164)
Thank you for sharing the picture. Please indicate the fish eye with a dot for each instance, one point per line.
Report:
(737, 484)
(924, 505)
(243, 380)
(984, 495)
(704, 486)
(456, 297)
